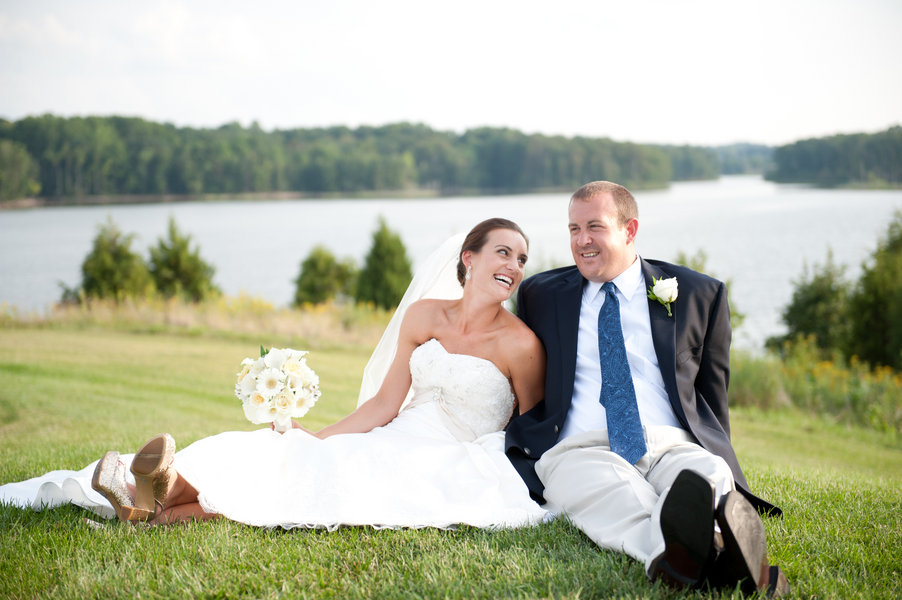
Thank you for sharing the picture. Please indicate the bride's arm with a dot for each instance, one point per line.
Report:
(385, 405)
(528, 372)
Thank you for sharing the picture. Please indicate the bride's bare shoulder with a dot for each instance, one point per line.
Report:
(522, 337)
(427, 312)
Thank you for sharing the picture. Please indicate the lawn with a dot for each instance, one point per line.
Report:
(69, 393)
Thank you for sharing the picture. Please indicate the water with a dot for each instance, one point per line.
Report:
(756, 234)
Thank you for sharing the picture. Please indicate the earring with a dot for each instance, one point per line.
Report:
(467, 276)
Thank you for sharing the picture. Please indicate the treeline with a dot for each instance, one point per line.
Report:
(860, 160)
(175, 269)
(56, 157)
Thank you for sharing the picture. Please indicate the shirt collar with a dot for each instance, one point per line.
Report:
(627, 282)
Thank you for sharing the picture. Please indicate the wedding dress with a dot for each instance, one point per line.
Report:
(439, 463)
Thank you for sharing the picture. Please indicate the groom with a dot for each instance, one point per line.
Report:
(632, 439)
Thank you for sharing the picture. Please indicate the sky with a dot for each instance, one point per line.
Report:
(701, 72)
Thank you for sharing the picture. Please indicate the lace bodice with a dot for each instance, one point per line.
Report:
(475, 398)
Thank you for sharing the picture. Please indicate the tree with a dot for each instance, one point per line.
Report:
(819, 307)
(386, 270)
(875, 308)
(18, 172)
(112, 270)
(177, 270)
(322, 277)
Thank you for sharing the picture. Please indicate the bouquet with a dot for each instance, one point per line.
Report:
(277, 387)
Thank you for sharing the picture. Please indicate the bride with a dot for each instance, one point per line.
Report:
(426, 449)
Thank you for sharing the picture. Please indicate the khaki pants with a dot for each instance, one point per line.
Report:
(616, 504)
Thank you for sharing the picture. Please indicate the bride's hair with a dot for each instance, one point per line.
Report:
(478, 236)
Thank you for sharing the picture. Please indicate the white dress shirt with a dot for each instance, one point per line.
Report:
(586, 412)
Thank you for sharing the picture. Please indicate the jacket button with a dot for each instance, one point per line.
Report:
(527, 451)
(557, 429)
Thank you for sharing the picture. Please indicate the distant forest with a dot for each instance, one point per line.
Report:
(61, 159)
(64, 159)
(859, 160)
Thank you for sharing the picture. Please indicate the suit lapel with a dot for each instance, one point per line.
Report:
(568, 301)
(663, 333)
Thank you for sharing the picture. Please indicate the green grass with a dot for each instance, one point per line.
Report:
(67, 394)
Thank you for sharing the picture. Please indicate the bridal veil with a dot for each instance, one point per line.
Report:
(436, 278)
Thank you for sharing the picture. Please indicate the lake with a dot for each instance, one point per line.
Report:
(756, 234)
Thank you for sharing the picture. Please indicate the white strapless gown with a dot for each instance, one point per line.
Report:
(439, 463)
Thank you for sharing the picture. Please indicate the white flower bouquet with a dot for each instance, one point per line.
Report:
(277, 387)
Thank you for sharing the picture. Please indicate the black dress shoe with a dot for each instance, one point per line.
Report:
(744, 556)
(687, 523)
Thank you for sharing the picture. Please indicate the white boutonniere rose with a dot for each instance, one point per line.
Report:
(664, 291)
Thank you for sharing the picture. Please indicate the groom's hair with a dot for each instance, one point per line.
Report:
(626, 205)
(477, 238)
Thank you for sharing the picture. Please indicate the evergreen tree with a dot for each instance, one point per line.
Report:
(112, 270)
(322, 277)
(875, 309)
(386, 271)
(177, 270)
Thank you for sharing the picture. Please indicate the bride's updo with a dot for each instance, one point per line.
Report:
(477, 238)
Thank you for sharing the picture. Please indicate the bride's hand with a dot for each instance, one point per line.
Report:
(294, 425)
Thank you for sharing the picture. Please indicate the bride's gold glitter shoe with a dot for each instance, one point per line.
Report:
(109, 480)
(152, 468)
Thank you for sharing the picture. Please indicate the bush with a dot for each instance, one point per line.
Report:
(875, 308)
(112, 270)
(179, 271)
(386, 271)
(819, 307)
(322, 277)
(849, 391)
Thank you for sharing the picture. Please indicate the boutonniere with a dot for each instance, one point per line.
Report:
(664, 291)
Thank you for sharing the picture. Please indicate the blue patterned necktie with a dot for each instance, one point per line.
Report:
(618, 396)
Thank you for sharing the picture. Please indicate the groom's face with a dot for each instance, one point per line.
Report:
(602, 246)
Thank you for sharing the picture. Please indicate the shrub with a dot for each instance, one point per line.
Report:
(179, 271)
(322, 277)
(819, 307)
(756, 381)
(698, 262)
(386, 270)
(112, 270)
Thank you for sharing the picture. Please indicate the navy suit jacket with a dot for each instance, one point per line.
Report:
(692, 347)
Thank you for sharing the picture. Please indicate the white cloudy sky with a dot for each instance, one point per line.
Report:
(669, 71)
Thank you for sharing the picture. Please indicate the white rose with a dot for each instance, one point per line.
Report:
(284, 402)
(665, 289)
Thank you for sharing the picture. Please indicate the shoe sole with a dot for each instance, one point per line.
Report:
(687, 524)
(151, 467)
(102, 481)
(744, 541)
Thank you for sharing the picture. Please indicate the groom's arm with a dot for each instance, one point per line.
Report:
(713, 378)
